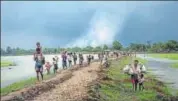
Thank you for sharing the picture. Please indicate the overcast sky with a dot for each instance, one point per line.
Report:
(81, 23)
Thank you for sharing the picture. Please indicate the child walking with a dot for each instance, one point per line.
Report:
(141, 80)
(48, 66)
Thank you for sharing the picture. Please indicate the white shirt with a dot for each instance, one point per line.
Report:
(54, 62)
(141, 80)
(56, 58)
(70, 58)
(134, 70)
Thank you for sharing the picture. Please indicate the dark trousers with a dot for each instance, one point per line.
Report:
(141, 87)
(64, 64)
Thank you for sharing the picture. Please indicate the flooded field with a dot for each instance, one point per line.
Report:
(161, 68)
(25, 68)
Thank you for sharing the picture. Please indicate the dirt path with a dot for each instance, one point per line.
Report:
(74, 88)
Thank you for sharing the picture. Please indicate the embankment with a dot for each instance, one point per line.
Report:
(114, 85)
(71, 82)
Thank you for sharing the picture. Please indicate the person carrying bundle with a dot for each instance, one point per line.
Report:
(135, 70)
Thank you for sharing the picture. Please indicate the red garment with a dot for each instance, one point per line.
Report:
(48, 66)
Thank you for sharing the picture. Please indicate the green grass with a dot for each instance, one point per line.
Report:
(172, 56)
(119, 88)
(22, 84)
(174, 65)
(6, 63)
(142, 61)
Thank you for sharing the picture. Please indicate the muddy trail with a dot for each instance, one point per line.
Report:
(67, 85)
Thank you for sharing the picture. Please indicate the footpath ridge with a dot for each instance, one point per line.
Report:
(67, 85)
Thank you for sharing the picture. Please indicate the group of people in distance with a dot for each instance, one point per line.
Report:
(103, 58)
(67, 58)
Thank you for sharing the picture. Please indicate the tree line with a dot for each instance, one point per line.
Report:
(169, 46)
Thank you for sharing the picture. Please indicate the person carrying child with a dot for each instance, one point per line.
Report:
(39, 66)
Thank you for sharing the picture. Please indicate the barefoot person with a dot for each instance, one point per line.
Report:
(57, 60)
(70, 60)
(81, 59)
(135, 71)
(48, 66)
(39, 66)
(64, 60)
(55, 65)
(75, 58)
(141, 80)
(89, 59)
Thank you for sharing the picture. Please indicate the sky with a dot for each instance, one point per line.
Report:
(83, 23)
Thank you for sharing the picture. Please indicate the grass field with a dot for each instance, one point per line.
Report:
(22, 84)
(6, 63)
(174, 65)
(119, 88)
(172, 56)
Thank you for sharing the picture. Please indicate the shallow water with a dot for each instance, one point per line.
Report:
(162, 69)
(25, 68)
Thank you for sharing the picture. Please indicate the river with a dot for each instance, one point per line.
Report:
(161, 68)
(25, 68)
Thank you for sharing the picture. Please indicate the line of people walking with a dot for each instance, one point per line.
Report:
(67, 58)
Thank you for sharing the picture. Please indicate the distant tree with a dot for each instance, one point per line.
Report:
(55, 50)
(8, 50)
(3, 52)
(97, 49)
(148, 44)
(105, 47)
(158, 47)
(117, 45)
(171, 45)
(89, 48)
